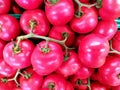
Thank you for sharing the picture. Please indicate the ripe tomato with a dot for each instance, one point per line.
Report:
(69, 86)
(5, 6)
(46, 60)
(116, 41)
(59, 12)
(85, 23)
(9, 27)
(58, 31)
(98, 86)
(106, 28)
(37, 17)
(84, 1)
(33, 82)
(21, 57)
(109, 73)
(93, 50)
(6, 70)
(71, 65)
(55, 82)
(110, 9)
(29, 4)
(2, 45)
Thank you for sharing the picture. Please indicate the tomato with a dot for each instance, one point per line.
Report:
(110, 9)
(2, 45)
(109, 73)
(106, 28)
(21, 57)
(116, 41)
(7, 85)
(58, 31)
(116, 88)
(78, 83)
(85, 23)
(46, 59)
(84, 72)
(59, 12)
(55, 82)
(33, 82)
(71, 65)
(69, 86)
(6, 70)
(17, 88)
(41, 24)
(29, 4)
(93, 50)
(98, 86)
(5, 6)
(84, 1)
(9, 27)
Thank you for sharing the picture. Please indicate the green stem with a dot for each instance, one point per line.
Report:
(85, 5)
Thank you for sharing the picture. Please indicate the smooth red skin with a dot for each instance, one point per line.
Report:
(106, 28)
(93, 50)
(86, 23)
(70, 66)
(6, 70)
(69, 86)
(7, 86)
(10, 27)
(74, 79)
(29, 4)
(84, 1)
(59, 81)
(16, 9)
(116, 88)
(22, 59)
(17, 88)
(33, 83)
(60, 13)
(5, 6)
(116, 41)
(98, 86)
(78, 40)
(108, 73)
(110, 9)
(57, 31)
(2, 45)
(39, 16)
(46, 63)
(84, 72)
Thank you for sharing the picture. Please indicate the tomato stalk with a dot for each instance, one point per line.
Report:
(85, 5)
(53, 1)
(113, 50)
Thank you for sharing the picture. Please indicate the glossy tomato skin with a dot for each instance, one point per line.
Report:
(6, 70)
(69, 86)
(106, 28)
(2, 45)
(70, 66)
(18, 60)
(7, 85)
(110, 9)
(57, 80)
(98, 86)
(38, 16)
(109, 73)
(5, 6)
(29, 4)
(116, 41)
(32, 83)
(84, 72)
(57, 33)
(45, 63)
(84, 1)
(60, 13)
(93, 50)
(9, 27)
(85, 23)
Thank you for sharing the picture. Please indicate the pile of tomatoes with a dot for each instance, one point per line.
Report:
(59, 45)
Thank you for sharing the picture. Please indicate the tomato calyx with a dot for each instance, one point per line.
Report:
(53, 1)
(32, 24)
(99, 3)
(4, 80)
(78, 14)
(45, 50)
(16, 49)
(51, 86)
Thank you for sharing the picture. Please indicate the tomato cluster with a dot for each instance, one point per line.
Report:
(59, 45)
